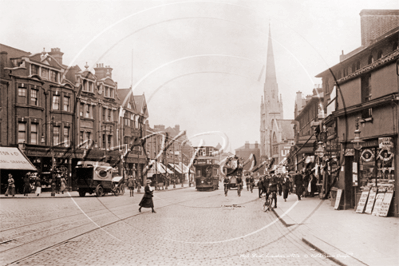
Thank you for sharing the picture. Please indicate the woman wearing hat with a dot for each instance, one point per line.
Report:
(146, 201)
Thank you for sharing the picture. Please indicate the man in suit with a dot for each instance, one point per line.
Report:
(298, 181)
(273, 190)
(260, 186)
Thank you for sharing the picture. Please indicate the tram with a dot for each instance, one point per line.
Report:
(206, 170)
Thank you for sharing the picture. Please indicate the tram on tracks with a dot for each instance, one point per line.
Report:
(206, 170)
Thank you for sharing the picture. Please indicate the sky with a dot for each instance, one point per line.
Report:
(200, 64)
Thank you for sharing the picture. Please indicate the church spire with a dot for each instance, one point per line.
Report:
(270, 68)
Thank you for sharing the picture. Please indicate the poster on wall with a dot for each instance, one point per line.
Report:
(362, 201)
(370, 202)
(385, 204)
(378, 201)
(338, 199)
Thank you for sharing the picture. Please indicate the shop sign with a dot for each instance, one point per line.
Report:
(378, 203)
(349, 152)
(385, 205)
(370, 143)
(385, 143)
(362, 202)
(367, 155)
(370, 202)
(338, 199)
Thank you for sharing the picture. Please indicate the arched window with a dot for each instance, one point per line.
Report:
(353, 67)
(274, 137)
(358, 65)
(371, 59)
(395, 46)
(379, 55)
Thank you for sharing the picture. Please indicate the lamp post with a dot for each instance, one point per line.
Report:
(357, 146)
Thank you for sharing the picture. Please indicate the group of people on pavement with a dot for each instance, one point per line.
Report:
(303, 182)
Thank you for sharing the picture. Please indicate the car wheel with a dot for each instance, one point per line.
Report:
(99, 191)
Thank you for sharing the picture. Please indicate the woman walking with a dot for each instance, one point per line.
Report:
(286, 187)
(130, 185)
(11, 186)
(146, 201)
(63, 184)
(26, 184)
(38, 186)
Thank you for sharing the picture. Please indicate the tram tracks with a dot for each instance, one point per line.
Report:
(21, 246)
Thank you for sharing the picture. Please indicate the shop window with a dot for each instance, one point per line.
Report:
(56, 102)
(33, 97)
(33, 134)
(22, 95)
(66, 136)
(67, 104)
(21, 132)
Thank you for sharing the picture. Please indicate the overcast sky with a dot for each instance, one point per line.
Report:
(199, 63)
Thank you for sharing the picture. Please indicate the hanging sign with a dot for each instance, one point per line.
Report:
(370, 202)
(338, 199)
(378, 201)
(385, 142)
(362, 202)
(367, 155)
(385, 204)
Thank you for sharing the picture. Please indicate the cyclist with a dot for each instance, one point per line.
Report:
(251, 182)
(239, 185)
(226, 183)
(273, 190)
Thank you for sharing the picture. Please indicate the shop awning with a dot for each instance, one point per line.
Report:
(13, 159)
(176, 167)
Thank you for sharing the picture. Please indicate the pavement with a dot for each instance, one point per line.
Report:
(344, 236)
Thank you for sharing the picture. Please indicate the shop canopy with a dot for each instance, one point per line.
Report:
(13, 159)
(176, 167)
(158, 168)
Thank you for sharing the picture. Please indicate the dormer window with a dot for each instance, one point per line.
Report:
(53, 76)
(370, 60)
(34, 70)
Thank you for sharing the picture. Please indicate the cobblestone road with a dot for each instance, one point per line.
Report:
(189, 228)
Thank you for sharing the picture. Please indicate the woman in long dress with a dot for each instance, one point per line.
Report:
(146, 201)
(38, 186)
(63, 185)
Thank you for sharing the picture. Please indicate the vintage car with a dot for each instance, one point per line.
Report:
(99, 178)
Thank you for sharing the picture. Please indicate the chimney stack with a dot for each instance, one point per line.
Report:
(102, 71)
(3, 63)
(247, 145)
(376, 22)
(57, 54)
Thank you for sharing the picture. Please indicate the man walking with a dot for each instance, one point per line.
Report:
(298, 185)
(273, 190)
(260, 187)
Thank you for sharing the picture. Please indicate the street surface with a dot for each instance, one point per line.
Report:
(189, 228)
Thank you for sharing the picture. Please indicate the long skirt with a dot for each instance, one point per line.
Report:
(146, 202)
(26, 188)
(62, 189)
(10, 191)
(38, 190)
(285, 193)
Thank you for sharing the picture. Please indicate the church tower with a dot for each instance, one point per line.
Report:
(271, 103)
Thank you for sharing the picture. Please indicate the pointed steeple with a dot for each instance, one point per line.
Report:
(270, 68)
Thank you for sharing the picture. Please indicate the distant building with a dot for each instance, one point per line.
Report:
(245, 151)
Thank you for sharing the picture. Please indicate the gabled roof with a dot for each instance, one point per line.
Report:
(45, 59)
(12, 52)
(141, 104)
(125, 95)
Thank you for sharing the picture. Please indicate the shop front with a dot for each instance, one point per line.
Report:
(376, 175)
(13, 162)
